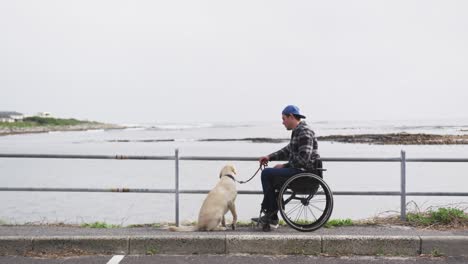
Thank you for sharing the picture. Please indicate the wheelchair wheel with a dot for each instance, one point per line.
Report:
(305, 202)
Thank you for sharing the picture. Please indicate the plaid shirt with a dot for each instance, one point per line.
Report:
(301, 151)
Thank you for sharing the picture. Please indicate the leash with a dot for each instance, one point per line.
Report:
(261, 167)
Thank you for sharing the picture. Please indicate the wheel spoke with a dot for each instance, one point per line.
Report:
(293, 209)
(320, 200)
(317, 208)
(305, 212)
(312, 213)
(300, 213)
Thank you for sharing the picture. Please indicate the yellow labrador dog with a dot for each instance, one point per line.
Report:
(218, 201)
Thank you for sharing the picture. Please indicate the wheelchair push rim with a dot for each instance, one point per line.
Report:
(305, 202)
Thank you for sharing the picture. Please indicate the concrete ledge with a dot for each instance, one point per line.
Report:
(445, 245)
(178, 244)
(372, 245)
(273, 244)
(87, 245)
(15, 245)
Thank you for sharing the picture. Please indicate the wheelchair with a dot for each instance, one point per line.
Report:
(305, 201)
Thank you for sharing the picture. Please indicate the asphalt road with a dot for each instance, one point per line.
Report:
(234, 259)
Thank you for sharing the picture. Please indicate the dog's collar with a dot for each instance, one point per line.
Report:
(230, 176)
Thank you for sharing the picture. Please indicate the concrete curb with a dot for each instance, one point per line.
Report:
(179, 244)
(445, 245)
(372, 245)
(233, 244)
(274, 244)
(80, 245)
(15, 245)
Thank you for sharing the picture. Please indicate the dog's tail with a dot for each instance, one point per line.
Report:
(183, 228)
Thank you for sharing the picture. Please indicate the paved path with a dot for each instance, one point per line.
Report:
(378, 230)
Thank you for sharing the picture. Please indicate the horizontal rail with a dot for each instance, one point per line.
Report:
(436, 160)
(123, 190)
(171, 191)
(65, 156)
(222, 158)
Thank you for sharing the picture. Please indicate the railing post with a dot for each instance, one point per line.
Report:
(177, 187)
(403, 186)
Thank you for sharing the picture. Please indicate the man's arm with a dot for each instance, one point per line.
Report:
(282, 154)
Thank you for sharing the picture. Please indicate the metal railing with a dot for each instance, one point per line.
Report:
(402, 159)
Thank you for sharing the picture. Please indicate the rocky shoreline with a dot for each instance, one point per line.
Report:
(399, 139)
(4, 131)
(376, 139)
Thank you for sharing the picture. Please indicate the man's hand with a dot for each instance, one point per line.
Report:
(264, 160)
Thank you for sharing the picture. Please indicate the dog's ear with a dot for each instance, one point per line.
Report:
(233, 169)
(222, 172)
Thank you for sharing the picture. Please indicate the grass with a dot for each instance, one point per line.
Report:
(441, 217)
(99, 225)
(436, 253)
(35, 121)
(433, 217)
(151, 251)
(339, 222)
(155, 225)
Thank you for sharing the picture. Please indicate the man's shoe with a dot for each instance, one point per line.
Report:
(274, 223)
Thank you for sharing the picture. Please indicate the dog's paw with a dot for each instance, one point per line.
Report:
(233, 226)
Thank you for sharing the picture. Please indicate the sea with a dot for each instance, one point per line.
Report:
(163, 139)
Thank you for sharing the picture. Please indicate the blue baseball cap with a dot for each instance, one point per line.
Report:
(292, 110)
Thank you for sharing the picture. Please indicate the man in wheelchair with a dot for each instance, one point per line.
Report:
(301, 154)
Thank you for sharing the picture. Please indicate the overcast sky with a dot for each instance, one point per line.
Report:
(158, 61)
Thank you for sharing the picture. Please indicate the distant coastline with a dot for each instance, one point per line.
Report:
(399, 139)
(4, 131)
(31, 125)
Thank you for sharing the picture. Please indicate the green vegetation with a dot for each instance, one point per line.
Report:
(437, 218)
(152, 251)
(441, 217)
(155, 225)
(99, 225)
(338, 222)
(2, 222)
(44, 121)
(436, 253)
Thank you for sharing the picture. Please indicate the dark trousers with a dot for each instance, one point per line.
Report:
(273, 179)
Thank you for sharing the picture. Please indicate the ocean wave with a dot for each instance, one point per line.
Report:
(189, 126)
(140, 140)
(253, 140)
(178, 126)
(95, 130)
